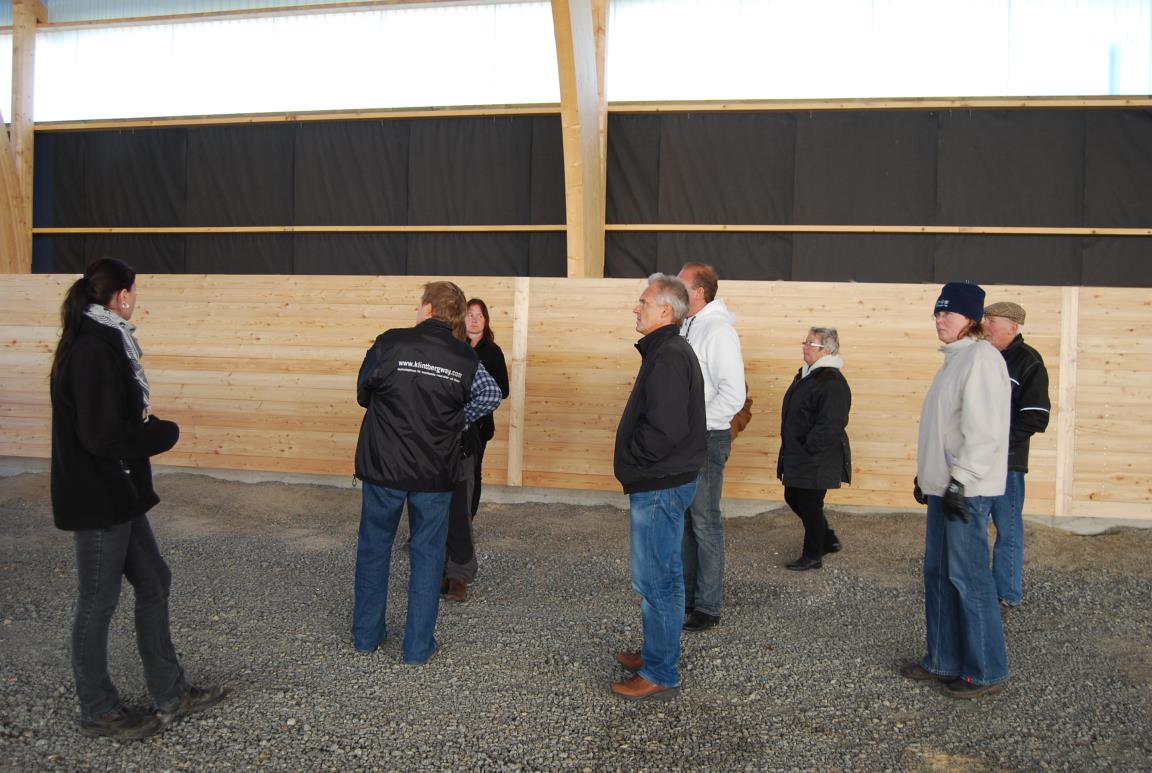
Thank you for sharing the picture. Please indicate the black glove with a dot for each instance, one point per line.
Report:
(917, 494)
(955, 503)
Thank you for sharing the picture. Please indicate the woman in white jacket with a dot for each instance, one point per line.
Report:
(962, 462)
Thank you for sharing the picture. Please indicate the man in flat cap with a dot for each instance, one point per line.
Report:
(1004, 322)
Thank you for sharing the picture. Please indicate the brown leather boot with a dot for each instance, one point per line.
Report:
(638, 689)
(457, 591)
(630, 660)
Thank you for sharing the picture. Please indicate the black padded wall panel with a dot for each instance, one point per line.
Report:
(1118, 169)
(548, 254)
(1025, 260)
(898, 258)
(146, 253)
(239, 254)
(351, 173)
(350, 253)
(866, 168)
(473, 171)
(1117, 261)
(468, 254)
(60, 192)
(632, 194)
(629, 254)
(546, 199)
(727, 168)
(137, 178)
(745, 255)
(1011, 168)
(240, 175)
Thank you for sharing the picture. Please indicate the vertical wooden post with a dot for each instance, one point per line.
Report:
(12, 232)
(521, 306)
(1066, 402)
(580, 27)
(25, 15)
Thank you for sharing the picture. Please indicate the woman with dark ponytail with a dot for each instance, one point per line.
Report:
(103, 433)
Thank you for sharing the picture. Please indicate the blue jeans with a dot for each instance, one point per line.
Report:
(428, 525)
(1008, 554)
(965, 634)
(103, 556)
(703, 551)
(657, 525)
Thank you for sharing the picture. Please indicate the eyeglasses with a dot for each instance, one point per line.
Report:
(812, 345)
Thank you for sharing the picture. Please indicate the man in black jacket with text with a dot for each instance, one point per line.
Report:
(660, 448)
(420, 387)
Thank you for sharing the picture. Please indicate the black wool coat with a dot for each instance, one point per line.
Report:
(814, 449)
(101, 475)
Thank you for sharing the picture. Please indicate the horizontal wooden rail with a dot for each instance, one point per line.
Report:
(457, 111)
(637, 227)
(881, 229)
(306, 229)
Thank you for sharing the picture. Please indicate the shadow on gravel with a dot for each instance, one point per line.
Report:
(799, 675)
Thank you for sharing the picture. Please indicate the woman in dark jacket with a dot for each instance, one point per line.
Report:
(814, 451)
(102, 436)
(479, 326)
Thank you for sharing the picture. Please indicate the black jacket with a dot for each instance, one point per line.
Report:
(814, 450)
(493, 358)
(663, 435)
(101, 475)
(1030, 404)
(414, 383)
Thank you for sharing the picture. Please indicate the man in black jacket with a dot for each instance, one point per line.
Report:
(1030, 410)
(660, 448)
(421, 386)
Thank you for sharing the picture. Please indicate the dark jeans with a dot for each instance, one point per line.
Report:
(808, 504)
(479, 473)
(702, 549)
(460, 555)
(103, 556)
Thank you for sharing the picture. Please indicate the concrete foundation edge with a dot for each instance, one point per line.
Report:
(733, 508)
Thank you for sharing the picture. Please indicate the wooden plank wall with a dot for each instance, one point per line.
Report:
(259, 372)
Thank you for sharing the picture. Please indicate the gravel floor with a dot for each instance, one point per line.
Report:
(800, 675)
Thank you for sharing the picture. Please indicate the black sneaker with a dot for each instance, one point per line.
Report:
(124, 725)
(803, 564)
(194, 699)
(700, 621)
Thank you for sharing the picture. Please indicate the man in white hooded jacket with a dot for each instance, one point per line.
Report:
(710, 331)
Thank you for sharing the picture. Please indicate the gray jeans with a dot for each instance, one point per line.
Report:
(703, 545)
(103, 557)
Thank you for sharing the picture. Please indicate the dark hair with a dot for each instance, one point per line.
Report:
(447, 301)
(487, 336)
(704, 277)
(101, 281)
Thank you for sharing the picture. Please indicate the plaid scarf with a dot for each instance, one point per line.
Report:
(106, 317)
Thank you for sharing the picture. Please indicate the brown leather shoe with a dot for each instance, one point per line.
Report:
(630, 660)
(638, 689)
(457, 591)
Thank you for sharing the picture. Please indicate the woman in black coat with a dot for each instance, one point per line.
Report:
(479, 327)
(814, 451)
(103, 434)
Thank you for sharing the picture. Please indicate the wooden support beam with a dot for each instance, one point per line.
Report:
(518, 401)
(11, 231)
(580, 27)
(26, 14)
(1066, 402)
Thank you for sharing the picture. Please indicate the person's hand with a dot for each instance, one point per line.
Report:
(917, 493)
(955, 503)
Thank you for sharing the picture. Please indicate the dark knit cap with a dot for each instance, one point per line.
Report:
(963, 298)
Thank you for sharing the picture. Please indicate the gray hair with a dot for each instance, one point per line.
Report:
(671, 292)
(828, 337)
